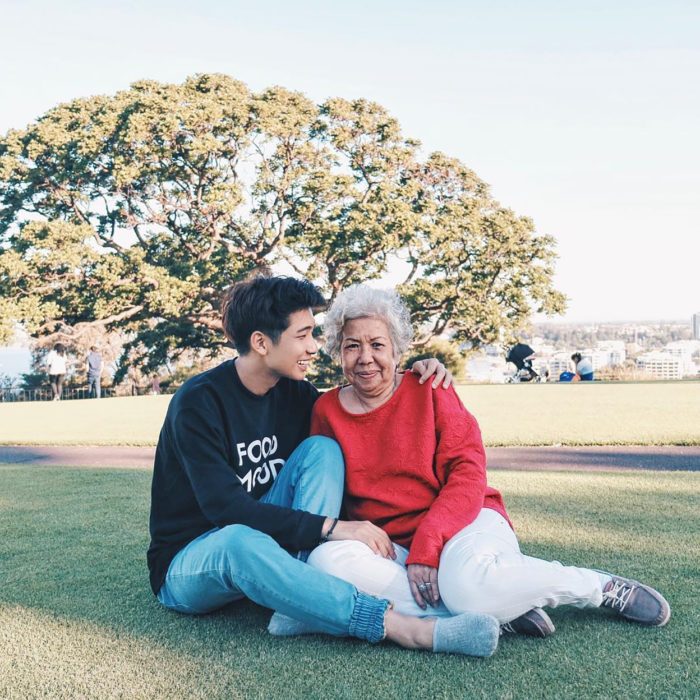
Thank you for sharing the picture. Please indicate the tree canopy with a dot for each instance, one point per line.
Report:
(136, 212)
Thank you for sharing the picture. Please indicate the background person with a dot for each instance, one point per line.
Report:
(583, 371)
(56, 368)
(416, 467)
(94, 365)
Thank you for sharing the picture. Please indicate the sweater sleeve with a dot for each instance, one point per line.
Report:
(460, 466)
(199, 443)
(319, 420)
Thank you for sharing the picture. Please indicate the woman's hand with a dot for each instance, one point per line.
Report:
(430, 367)
(364, 531)
(424, 584)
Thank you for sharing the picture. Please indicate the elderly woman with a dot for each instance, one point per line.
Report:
(415, 466)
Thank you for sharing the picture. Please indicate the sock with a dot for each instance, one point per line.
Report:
(474, 634)
(605, 578)
(284, 626)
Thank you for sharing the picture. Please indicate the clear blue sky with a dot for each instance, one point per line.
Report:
(584, 116)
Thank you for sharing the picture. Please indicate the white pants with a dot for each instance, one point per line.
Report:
(481, 570)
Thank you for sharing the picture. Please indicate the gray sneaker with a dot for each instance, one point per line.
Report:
(534, 623)
(637, 602)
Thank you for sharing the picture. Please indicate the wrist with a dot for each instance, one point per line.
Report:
(327, 529)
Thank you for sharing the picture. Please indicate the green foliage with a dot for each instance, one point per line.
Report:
(478, 268)
(33, 380)
(447, 352)
(181, 372)
(135, 212)
(325, 372)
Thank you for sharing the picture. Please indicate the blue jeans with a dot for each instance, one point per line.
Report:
(94, 385)
(233, 562)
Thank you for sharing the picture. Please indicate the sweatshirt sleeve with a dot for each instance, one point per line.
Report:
(199, 443)
(460, 466)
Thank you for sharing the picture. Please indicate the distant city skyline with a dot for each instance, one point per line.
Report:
(16, 359)
(578, 116)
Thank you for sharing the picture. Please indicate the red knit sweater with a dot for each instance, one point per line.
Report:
(415, 466)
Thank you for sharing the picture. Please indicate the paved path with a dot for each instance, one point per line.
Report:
(549, 458)
(595, 458)
(77, 456)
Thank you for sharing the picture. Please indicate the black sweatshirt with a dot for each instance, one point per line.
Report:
(219, 451)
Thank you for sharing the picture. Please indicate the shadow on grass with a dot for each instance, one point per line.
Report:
(74, 548)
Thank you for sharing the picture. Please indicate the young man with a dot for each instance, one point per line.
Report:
(240, 494)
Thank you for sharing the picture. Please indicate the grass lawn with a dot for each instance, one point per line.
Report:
(541, 414)
(77, 618)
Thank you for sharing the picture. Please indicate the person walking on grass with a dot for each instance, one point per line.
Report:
(94, 372)
(241, 494)
(56, 367)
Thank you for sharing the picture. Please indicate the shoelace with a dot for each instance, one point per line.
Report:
(618, 595)
(507, 627)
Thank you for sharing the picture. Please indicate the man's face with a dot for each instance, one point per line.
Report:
(295, 347)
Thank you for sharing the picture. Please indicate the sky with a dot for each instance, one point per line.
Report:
(583, 116)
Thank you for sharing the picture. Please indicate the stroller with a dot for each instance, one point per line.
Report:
(521, 356)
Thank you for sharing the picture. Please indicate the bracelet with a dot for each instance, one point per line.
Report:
(324, 538)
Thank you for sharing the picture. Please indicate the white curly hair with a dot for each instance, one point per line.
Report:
(363, 301)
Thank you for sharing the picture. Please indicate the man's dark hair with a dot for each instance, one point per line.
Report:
(576, 357)
(264, 304)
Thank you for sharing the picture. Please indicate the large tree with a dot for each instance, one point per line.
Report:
(136, 211)
(478, 270)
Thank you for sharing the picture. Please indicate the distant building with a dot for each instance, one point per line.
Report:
(558, 363)
(661, 365)
(696, 325)
(684, 349)
(615, 350)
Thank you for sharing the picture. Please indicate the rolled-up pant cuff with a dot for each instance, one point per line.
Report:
(367, 619)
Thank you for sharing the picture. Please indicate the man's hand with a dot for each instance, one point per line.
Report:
(363, 531)
(424, 584)
(430, 367)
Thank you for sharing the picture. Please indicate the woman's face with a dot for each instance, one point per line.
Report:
(367, 356)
